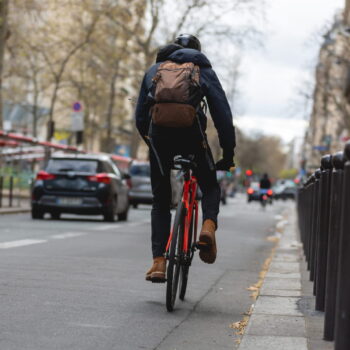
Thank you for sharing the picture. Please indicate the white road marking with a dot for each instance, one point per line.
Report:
(25, 242)
(88, 325)
(106, 227)
(117, 226)
(68, 235)
(21, 243)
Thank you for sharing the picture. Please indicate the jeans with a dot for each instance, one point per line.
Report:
(168, 146)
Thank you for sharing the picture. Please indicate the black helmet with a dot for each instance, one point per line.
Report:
(188, 41)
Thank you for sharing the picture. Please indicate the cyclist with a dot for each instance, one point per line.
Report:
(265, 183)
(166, 142)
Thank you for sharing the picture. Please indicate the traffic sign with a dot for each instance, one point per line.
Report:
(77, 121)
(77, 107)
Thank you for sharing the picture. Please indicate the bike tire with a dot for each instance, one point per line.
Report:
(174, 266)
(185, 269)
(183, 282)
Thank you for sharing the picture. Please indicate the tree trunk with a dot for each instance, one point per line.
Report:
(3, 37)
(52, 106)
(112, 94)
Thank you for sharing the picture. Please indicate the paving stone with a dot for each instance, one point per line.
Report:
(281, 287)
(284, 275)
(284, 257)
(251, 342)
(281, 267)
(272, 325)
(276, 305)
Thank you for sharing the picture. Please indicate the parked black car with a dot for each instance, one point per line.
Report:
(80, 184)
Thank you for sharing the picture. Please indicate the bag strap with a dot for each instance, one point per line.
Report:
(153, 148)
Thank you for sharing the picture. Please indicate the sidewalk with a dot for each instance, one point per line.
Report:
(16, 210)
(18, 207)
(283, 316)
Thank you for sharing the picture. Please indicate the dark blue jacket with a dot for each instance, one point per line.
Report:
(212, 90)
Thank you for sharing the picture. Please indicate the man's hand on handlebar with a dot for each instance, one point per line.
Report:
(225, 164)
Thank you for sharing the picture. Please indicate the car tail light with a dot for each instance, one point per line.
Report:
(43, 175)
(102, 178)
(250, 191)
(129, 183)
(270, 192)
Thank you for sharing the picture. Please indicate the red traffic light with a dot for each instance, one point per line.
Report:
(249, 172)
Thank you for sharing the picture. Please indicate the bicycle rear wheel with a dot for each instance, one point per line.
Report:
(174, 266)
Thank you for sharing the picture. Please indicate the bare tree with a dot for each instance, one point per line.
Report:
(261, 153)
(201, 17)
(3, 36)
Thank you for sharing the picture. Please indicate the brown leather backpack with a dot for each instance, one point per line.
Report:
(177, 94)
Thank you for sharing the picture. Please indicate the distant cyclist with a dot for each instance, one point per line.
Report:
(170, 116)
(265, 182)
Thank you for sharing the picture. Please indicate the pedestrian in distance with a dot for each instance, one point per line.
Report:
(170, 117)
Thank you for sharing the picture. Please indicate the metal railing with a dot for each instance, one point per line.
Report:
(324, 223)
(15, 190)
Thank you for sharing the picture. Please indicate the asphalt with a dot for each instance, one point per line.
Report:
(78, 283)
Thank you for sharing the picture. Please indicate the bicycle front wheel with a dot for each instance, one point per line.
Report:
(175, 252)
(185, 268)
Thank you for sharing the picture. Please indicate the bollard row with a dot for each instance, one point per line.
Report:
(324, 224)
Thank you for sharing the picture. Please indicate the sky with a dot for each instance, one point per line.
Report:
(272, 75)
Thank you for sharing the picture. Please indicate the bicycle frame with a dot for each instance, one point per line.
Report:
(191, 206)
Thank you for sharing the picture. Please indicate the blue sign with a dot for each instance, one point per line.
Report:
(122, 150)
(77, 106)
(321, 148)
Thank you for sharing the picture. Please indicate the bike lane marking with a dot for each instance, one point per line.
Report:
(21, 243)
(115, 226)
(26, 242)
(68, 235)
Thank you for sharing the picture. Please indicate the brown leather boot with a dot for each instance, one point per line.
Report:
(207, 243)
(156, 273)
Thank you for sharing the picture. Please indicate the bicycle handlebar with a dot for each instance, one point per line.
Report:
(184, 163)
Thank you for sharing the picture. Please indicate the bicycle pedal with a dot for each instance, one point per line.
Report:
(203, 246)
(158, 280)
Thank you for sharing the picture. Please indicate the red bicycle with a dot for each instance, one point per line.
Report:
(182, 241)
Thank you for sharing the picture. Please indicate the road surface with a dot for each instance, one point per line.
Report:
(78, 283)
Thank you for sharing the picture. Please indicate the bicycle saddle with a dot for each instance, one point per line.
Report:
(181, 162)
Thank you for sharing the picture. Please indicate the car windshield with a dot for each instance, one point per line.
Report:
(255, 185)
(142, 170)
(77, 165)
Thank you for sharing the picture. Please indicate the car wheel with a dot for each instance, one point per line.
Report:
(109, 213)
(37, 213)
(55, 215)
(124, 215)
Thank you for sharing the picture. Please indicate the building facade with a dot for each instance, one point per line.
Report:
(329, 126)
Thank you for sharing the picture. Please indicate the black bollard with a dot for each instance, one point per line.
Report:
(342, 323)
(306, 212)
(302, 216)
(315, 227)
(11, 191)
(322, 233)
(333, 244)
(311, 189)
(1, 188)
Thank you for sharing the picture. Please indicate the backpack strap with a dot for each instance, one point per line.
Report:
(205, 143)
(153, 148)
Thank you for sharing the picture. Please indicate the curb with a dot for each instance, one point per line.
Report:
(14, 211)
(276, 322)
